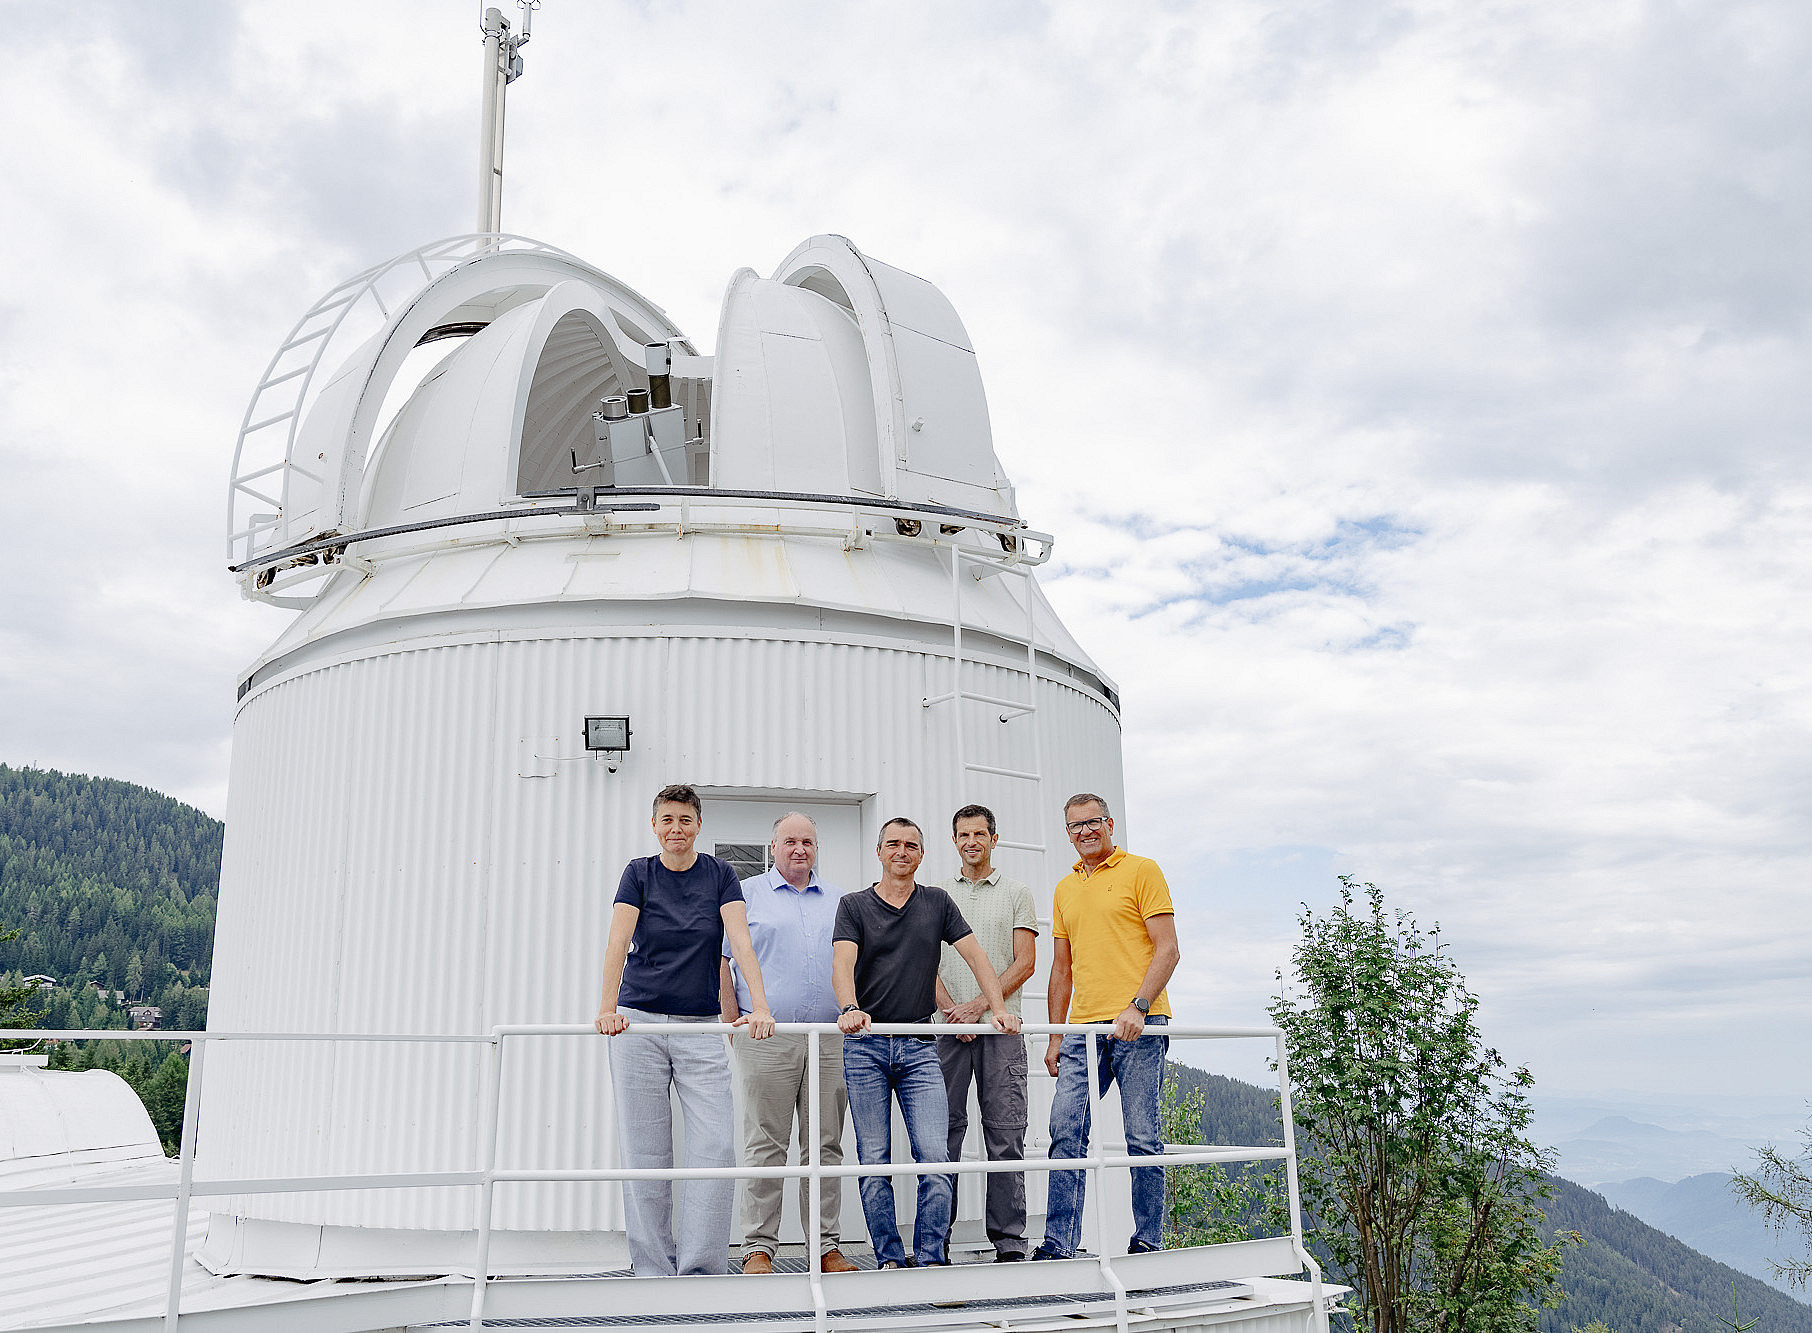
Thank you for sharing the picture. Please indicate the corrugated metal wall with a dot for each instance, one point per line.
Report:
(387, 870)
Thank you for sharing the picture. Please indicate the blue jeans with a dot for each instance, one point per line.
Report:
(874, 1069)
(1138, 1067)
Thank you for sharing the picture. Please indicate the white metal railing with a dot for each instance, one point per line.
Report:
(486, 1177)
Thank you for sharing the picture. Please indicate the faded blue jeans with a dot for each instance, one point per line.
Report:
(643, 1067)
(1138, 1067)
(874, 1069)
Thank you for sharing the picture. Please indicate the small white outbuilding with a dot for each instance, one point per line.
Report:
(803, 584)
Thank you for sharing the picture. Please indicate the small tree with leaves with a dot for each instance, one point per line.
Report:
(1205, 1204)
(1414, 1161)
(1780, 1189)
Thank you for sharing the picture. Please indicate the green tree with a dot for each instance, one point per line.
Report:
(1207, 1204)
(1780, 1189)
(15, 1001)
(1414, 1161)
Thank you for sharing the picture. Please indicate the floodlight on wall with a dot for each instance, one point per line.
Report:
(607, 738)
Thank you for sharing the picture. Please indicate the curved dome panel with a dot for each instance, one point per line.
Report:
(935, 445)
(504, 415)
(325, 466)
(794, 409)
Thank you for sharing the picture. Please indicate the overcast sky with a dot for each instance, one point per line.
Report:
(1418, 393)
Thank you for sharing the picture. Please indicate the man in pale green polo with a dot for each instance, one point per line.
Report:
(1000, 910)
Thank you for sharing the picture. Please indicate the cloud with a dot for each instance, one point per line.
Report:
(1416, 391)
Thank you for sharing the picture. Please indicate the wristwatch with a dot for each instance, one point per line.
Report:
(1142, 1004)
(848, 1009)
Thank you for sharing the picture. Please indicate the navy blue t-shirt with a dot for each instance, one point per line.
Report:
(673, 955)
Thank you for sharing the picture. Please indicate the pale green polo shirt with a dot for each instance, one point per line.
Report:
(994, 908)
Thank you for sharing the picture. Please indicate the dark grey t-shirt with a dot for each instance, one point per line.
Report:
(897, 949)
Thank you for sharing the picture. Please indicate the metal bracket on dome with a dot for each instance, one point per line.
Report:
(261, 491)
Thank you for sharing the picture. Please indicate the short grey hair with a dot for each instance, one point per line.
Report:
(793, 814)
(1083, 798)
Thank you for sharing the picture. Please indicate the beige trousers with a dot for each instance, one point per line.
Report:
(774, 1099)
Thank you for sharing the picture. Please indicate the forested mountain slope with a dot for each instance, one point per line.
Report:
(1640, 1280)
(110, 883)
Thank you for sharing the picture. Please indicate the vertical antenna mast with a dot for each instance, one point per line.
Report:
(502, 67)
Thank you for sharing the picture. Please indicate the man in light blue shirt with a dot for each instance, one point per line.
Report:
(791, 915)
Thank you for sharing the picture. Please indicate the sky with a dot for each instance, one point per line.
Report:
(1417, 392)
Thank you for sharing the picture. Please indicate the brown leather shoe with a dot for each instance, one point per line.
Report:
(834, 1262)
(758, 1262)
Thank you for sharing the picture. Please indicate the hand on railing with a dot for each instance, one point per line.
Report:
(609, 1022)
(760, 1024)
(1129, 1025)
(852, 1021)
(976, 1011)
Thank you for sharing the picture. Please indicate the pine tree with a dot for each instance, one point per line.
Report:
(163, 1097)
(1780, 1189)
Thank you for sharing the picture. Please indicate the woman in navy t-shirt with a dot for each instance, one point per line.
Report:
(673, 912)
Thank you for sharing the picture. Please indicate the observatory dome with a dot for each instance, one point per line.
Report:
(792, 574)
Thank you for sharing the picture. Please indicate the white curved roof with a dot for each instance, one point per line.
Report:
(51, 1119)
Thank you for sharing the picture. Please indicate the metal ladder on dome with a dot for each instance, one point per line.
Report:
(988, 566)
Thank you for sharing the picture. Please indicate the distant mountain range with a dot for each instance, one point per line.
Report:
(1702, 1212)
(1607, 1139)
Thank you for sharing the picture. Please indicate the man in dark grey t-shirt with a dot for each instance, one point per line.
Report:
(884, 967)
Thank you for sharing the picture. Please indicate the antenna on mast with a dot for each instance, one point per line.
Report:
(502, 67)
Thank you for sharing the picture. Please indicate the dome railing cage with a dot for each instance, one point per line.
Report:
(265, 466)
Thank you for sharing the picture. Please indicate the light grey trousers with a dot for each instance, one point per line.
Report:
(775, 1096)
(643, 1067)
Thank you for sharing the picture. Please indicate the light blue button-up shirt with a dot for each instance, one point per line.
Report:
(791, 931)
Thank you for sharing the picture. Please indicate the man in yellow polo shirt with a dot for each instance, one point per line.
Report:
(1114, 946)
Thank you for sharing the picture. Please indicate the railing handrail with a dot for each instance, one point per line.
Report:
(815, 1172)
(1191, 1031)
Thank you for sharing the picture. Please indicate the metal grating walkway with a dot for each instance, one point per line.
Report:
(1074, 1303)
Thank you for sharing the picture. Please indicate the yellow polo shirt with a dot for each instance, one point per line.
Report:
(1103, 917)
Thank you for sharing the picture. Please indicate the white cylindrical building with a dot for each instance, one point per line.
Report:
(804, 585)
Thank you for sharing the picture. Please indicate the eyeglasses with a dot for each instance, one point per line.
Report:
(1086, 825)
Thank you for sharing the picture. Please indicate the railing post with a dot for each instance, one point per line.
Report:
(815, 1183)
(1091, 1044)
(956, 657)
(185, 1156)
(1296, 1236)
(481, 1257)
